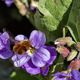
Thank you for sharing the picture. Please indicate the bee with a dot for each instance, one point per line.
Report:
(22, 47)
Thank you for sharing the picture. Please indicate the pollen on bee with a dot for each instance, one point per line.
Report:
(21, 47)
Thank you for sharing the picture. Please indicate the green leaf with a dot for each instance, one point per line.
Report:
(50, 17)
(72, 33)
(74, 20)
(72, 55)
(21, 75)
(39, 77)
(59, 64)
(52, 13)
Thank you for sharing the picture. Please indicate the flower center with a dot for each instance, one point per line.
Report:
(23, 46)
(30, 51)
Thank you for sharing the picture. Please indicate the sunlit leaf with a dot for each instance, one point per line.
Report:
(72, 55)
(49, 15)
(52, 13)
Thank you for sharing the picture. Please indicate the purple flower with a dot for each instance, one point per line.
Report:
(32, 69)
(73, 75)
(5, 51)
(35, 58)
(9, 2)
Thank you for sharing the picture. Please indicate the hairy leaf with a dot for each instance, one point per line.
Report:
(52, 13)
(72, 55)
(49, 15)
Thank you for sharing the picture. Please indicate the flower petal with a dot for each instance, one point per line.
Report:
(5, 54)
(8, 2)
(20, 37)
(76, 74)
(44, 70)
(62, 76)
(1, 45)
(20, 60)
(37, 39)
(37, 61)
(4, 37)
(30, 68)
(53, 54)
(44, 54)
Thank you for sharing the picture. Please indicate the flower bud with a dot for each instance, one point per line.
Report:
(75, 64)
(64, 41)
(63, 51)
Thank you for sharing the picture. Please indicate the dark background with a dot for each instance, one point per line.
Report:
(13, 21)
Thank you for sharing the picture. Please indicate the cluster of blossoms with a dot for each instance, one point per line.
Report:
(67, 75)
(33, 56)
(70, 52)
(30, 54)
